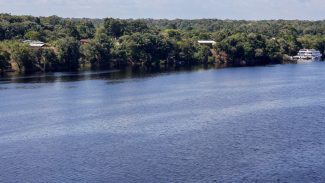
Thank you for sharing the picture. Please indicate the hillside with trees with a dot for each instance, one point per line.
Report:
(71, 44)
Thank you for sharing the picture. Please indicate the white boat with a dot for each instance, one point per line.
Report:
(308, 55)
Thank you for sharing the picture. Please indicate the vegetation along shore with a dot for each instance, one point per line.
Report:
(38, 44)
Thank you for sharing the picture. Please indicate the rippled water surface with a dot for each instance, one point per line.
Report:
(258, 124)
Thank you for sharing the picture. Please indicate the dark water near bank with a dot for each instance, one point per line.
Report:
(257, 124)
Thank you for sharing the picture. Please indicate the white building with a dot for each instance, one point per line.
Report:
(34, 43)
(207, 42)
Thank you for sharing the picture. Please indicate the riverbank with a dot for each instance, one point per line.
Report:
(68, 44)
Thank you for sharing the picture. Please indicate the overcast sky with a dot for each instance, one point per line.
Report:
(171, 9)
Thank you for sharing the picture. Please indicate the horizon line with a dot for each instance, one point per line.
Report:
(169, 19)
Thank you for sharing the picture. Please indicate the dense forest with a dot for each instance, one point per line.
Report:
(71, 44)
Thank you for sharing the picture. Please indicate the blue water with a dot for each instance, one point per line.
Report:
(257, 124)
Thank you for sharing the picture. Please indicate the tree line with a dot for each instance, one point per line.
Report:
(104, 43)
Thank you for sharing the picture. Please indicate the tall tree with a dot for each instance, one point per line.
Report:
(4, 60)
(68, 53)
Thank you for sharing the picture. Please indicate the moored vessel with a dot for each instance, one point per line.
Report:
(308, 55)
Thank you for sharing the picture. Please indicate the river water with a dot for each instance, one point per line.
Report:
(254, 124)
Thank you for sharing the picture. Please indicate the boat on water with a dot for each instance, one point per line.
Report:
(305, 55)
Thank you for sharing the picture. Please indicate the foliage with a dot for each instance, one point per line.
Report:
(32, 35)
(24, 57)
(50, 59)
(68, 53)
(4, 60)
(147, 41)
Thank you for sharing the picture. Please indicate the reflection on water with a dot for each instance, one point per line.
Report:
(113, 75)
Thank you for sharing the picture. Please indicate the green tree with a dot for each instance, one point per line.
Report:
(68, 53)
(24, 58)
(96, 53)
(185, 51)
(32, 35)
(114, 27)
(4, 60)
(86, 29)
(202, 54)
(49, 58)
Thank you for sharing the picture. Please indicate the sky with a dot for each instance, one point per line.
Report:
(170, 9)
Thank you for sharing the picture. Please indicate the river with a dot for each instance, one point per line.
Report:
(252, 124)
